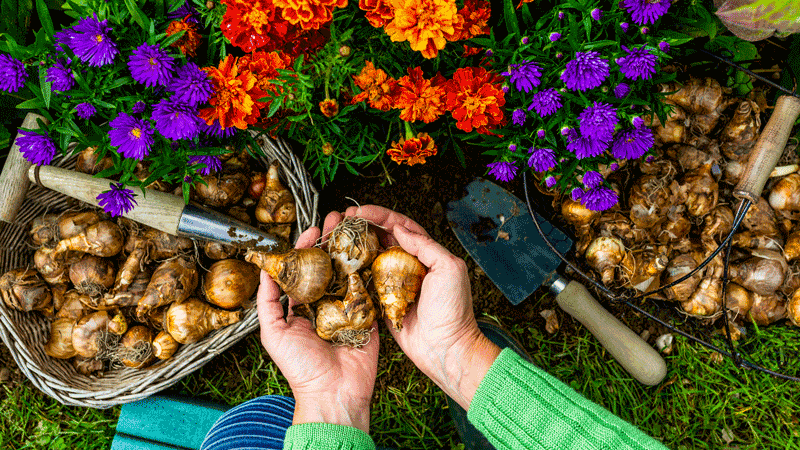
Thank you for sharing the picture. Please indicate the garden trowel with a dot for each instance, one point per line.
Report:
(494, 227)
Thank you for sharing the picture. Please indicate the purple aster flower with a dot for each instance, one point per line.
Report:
(525, 40)
(176, 120)
(525, 75)
(503, 170)
(592, 179)
(12, 73)
(646, 11)
(546, 102)
(139, 107)
(621, 90)
(587, 71)
(61, 77)
(212, 163)
(576, 194)
(185, 10)
(117, 200)
(216, 130)
(585, 146)
(599, 198)
(624, 26)
(638, 63)
(598, 121)
(90, 42)
(85, 110)
(554, 36)
(150, 65)
(596, 14)
(637, 122)
(512, 148)
(191, 85)
(632, 143)
(36, 148)
(133, 136)
(540, 133)
(518, 117)
(541, 159)
(550, 181)
(664, 46)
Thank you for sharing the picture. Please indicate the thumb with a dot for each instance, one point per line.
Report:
(429, 252)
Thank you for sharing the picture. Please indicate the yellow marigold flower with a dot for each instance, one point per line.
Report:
(308, 14)
(426, 24)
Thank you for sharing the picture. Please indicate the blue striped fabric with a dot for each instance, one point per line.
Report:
(256, 424)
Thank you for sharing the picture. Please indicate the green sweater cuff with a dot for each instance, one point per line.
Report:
(520, 406)
(324, 436)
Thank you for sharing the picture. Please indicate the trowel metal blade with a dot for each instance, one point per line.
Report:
(495, 228)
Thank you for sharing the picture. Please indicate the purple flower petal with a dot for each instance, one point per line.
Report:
(117, 200)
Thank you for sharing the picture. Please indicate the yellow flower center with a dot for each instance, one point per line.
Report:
(256, 18)
(153, 62)
(98, 38)
(136, 132)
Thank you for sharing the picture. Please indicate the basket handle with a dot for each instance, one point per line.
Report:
(14, 181)
(768, 149)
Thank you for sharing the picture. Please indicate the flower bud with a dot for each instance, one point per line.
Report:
(210, 5)
(596, 14)
(512, 147)
(565, 131)
(624, 26)
(664, 46)
(554, 36)
(525, 40)
(559, 55)
(327, 149)
(540, 133)
(644, 30)
(560, 15)
(550, 181)
(344, 51)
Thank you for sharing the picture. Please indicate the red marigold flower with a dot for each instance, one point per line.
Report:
(378, 12)
(251, 25)
(470, 51)
(308, 14)
(376, 86)
(190, 40)
(474, 19)
(329, 107)
(234, 102)
(475, 99)
(413, 150)
(420, 99)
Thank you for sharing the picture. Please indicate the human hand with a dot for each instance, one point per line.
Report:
(331, 384)
(440, 335)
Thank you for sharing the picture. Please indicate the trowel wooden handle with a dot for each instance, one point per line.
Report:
(768, 148)
(157, 209)
(13, 183)
(631, 351)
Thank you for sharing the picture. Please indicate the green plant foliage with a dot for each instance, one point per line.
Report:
(754, 20)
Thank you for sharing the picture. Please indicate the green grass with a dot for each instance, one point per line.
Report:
(704, 403)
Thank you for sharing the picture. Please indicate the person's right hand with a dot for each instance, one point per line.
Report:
(440, 335)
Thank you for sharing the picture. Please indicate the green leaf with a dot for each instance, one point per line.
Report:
(171, 39)
(33, 103)
(137, 14)
(45, 86)
(510, 18)
(755, 20)
(675, 38)
(44, 18)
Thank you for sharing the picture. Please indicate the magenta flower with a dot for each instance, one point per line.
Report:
(503, 170)
(133, 136)
(37, 148)
(587, 71)
(151, 66)
(12, 73)
(599, 198)
(546, 102)
(638, 63)
(646, 11)
(117, 200)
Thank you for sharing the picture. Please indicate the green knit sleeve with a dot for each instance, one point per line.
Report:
(520, 406)
(324, 436)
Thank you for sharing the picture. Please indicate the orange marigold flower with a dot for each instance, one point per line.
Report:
(475, 99)
(420, 99)
(264, 66)
(475, 19)
(190, 40)
(236, 92)
(378, 12)
(412, 150)
(426, 24)
(376, 87)
(470, 51)
(329, 107)
(308, 14)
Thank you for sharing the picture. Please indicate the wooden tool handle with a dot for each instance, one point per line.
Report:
(631, 351)
(768, 149)
(157, 209)
(13, 183)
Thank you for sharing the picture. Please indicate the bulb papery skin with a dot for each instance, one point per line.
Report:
(397, 276)
(303, 273)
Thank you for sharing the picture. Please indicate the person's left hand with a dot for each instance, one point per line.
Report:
(330, 383)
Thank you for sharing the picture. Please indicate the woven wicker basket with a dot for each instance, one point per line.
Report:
(26, 333)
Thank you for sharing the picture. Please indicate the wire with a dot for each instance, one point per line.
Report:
(751, 73)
